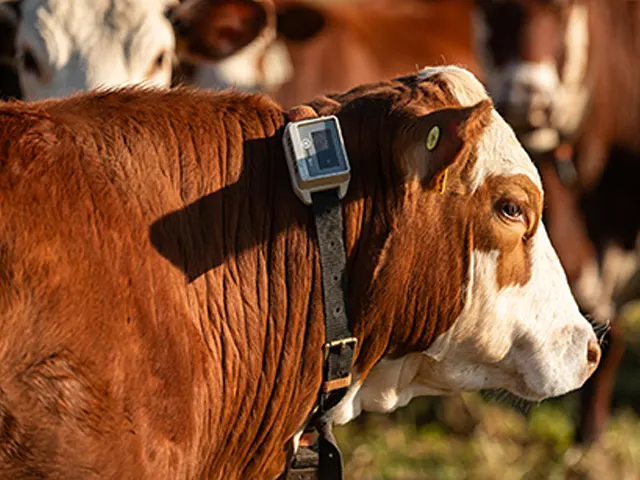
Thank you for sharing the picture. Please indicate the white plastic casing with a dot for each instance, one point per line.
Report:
(307, 173)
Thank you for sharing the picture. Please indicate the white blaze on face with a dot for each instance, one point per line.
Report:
(573, 95)
(66, 46)
(530, 339)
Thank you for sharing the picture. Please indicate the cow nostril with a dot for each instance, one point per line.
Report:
(539, 111)
(593, 353)
(538, 117)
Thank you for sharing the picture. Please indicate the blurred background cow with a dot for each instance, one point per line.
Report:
(61, 47)
(330, 47)
(565, 73)
(566, 76)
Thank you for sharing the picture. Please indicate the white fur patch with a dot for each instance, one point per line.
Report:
(576, 46)
(88, 44)
(530, 339)
(391, 384)
(465, 86)
(527, 78)
(242, 70)
(499, 152)
(573, 95)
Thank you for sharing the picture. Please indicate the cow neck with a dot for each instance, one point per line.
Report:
(399, 276)
(395, 276)
(375, 196)
(339, 345)
(369, 212)
(374, 207)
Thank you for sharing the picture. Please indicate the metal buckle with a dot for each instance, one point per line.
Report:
(339, 343)
(341, 382)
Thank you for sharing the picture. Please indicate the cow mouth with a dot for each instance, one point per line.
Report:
(539, 137)
(525, 393)
(539, 140)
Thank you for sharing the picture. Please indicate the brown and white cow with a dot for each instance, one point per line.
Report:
(68, 46)
(566, 71)
(337, 46)
(324, 48)
(160, 288)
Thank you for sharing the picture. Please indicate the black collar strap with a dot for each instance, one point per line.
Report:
(340, 345)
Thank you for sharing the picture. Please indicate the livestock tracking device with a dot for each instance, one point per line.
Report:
(316, 157)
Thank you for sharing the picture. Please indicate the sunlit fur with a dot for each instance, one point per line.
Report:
(503, 153)
(162, 300)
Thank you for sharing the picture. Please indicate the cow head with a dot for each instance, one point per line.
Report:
(466, 291)
(536, 55)
(267, 65)
(64, 46)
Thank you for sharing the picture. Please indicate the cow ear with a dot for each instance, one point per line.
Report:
(210, 30)
(435, 141)
(299, 21)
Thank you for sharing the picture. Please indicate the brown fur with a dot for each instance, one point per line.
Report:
(336, 47)
(614, 116)
(212, 30)
(514, 261)
(160, 283)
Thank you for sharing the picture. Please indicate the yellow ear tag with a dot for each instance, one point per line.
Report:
(433, 138)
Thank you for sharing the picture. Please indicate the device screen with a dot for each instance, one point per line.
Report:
(326, 150)
(324, 154)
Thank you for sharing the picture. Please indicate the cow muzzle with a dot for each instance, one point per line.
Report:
(526, 99)
(559, 366)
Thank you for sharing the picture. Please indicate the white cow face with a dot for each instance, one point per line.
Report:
(66, 46)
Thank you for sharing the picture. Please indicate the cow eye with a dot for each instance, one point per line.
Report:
(511, 210)
(29, 62)
(160, 59)
(159, 62)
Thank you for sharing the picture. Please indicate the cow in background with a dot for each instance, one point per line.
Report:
(338, 46)
(334, 47)
(566, 76)
(68, 46)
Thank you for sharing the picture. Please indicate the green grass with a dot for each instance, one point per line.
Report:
(487, 440)
(469, 437)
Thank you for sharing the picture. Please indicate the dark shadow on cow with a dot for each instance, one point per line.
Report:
(193, 239)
